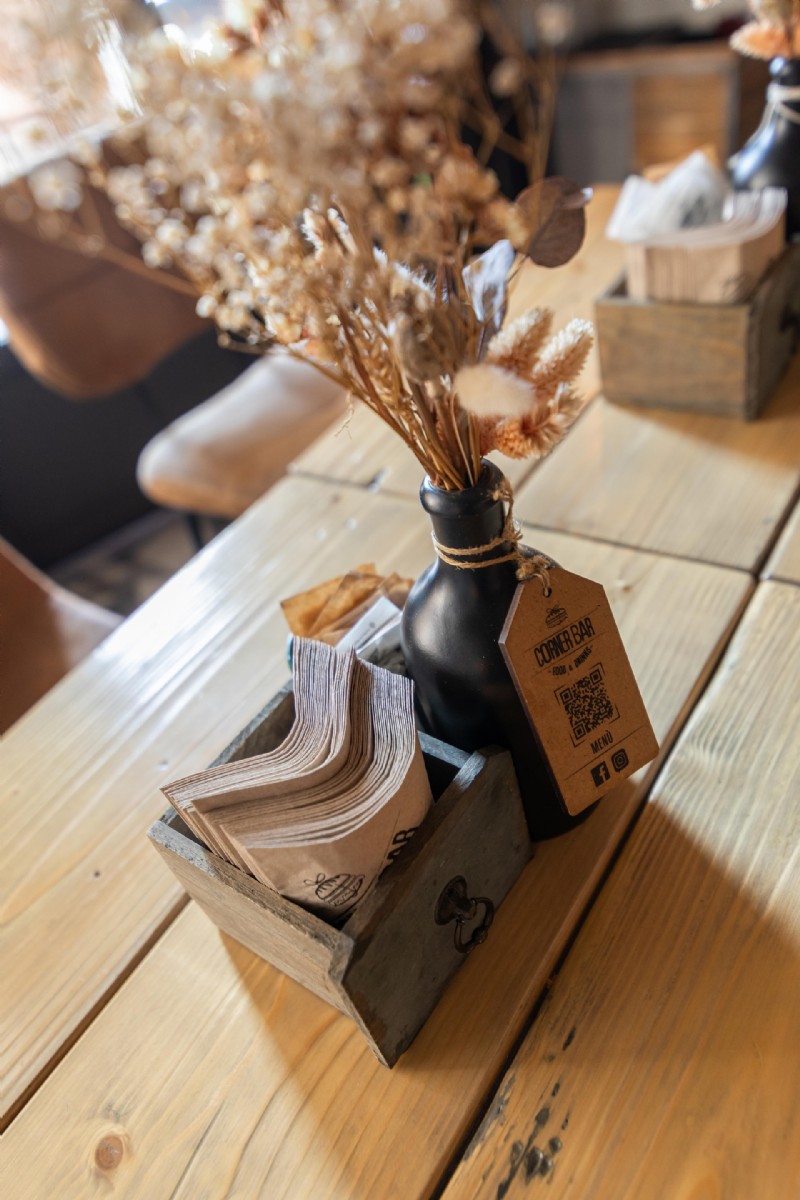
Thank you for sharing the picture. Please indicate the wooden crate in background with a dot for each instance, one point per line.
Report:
(713, 358)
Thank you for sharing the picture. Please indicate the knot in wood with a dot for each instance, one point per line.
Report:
(109, 1152)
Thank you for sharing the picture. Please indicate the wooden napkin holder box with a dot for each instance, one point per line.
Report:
(724, 359)
(389, 963)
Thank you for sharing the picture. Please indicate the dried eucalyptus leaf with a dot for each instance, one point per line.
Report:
(554, 217)
(486, 281)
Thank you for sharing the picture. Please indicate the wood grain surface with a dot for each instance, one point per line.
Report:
(665, 1063)
(211, 1075)
(81, 891)
(785, 561)
(364, 451)
(710, 488)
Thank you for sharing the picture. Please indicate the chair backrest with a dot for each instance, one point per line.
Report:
(83, 326)
(44, 632)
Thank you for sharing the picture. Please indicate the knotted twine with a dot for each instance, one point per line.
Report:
(529, 564)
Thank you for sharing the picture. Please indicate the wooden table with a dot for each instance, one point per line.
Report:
(628, 1030)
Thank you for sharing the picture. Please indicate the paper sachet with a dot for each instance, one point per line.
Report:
(361, 609)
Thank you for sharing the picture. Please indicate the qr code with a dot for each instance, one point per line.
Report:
(587, 704)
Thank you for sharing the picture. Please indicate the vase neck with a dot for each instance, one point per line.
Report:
(470, 530)
(472, 517)
(784, 90)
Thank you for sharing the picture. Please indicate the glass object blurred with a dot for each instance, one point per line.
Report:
(64, 75)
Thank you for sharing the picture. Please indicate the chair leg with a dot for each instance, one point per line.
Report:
(203, 529)
(195, 530)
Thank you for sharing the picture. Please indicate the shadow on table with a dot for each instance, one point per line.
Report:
(759, 440)
(675, 996)
(669, 1047)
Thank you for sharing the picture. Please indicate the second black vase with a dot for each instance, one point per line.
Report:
(771, 157)
(451, 624)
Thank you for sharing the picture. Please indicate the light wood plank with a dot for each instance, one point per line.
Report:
(80, 890)
(363, 451)
(785, 561)
(711, 488)
(209, 1074)
(666, 1059)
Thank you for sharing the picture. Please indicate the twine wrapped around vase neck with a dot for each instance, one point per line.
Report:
(780, 96)
(528, 563)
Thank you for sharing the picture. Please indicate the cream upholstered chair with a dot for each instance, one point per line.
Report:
(44, 632)
(220, 457)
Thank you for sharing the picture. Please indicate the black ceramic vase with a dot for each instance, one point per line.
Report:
(771, 157)
(451, 623)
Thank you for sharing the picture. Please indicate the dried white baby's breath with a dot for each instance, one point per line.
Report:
(282, 151)
(57, 186)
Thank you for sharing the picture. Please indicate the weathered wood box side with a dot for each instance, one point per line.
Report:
(712, 358)
(389, 964)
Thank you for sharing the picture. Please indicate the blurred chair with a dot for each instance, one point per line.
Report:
(220, 457)
(44, 632)
(83, 326)
(87, 327)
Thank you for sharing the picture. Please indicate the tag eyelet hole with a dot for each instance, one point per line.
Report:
(548, 591)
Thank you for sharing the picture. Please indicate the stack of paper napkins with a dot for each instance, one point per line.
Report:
(320, 817)
(692, 194)
(690, 240)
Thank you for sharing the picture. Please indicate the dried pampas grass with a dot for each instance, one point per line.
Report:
(536, 434)
(562, 359)
(553, 405)
(774, 32)
(760, 40)
(517, 346)
(486, 391)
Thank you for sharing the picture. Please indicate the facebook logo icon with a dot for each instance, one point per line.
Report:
(600, 774)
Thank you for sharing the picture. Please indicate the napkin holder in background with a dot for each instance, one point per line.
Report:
(718, 264)
(707, 314)
(388, 964)
(689, 239)
(724, 359)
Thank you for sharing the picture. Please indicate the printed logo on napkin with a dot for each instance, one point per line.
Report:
(569, 666)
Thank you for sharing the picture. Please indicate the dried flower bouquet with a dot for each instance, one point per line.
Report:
(304, 168)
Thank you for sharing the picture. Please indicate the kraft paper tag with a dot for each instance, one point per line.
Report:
(569, 666)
